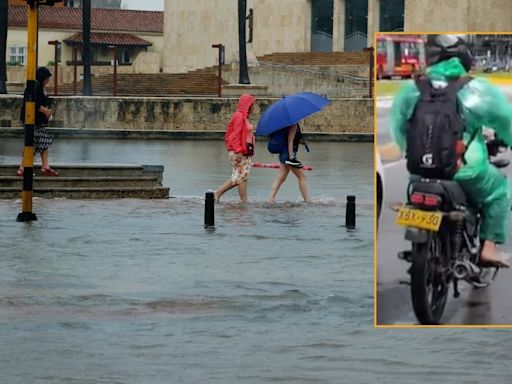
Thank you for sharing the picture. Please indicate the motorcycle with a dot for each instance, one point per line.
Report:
(444, 229)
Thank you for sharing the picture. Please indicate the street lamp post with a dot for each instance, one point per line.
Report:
(114, 53)
(75, 55)
(221, 61)
(86, 26)
(244, 73)
(55, 43)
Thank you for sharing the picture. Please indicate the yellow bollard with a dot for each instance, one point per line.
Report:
(30, 114)
(30, 109)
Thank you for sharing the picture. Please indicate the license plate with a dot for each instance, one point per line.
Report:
(416, 218)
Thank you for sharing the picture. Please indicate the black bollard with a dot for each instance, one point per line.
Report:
(209, 209)
(350, 216)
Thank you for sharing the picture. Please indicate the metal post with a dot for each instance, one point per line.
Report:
(350, 214)
(244, 73)
(221, 61)
(4, 15)
(209, 209)
(55, 43)
(86, 26)
(370, 78)
(74, 69)
(30, 115)
(114, 85)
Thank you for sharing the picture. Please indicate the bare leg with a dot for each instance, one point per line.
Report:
(225, 187)
(21, 168)
(44, 159)
(303, 187)
(491, 255)
(283, 173)
(242, 191)
(291, 135)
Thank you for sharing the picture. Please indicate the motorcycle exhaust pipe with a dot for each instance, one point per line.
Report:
(463, 270)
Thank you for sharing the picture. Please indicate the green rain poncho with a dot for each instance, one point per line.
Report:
(483, 105)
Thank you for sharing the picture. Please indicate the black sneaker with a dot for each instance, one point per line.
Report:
(294, 163)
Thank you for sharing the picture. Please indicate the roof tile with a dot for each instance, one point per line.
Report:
(124, 39)
(102, 19)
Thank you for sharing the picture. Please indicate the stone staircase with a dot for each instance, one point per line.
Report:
(318, 58)
(89, 181)
(203, 82)
(196, 83)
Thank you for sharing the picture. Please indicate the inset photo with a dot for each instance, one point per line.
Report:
(443, 133)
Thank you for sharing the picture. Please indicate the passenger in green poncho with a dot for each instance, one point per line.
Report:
(483, 105)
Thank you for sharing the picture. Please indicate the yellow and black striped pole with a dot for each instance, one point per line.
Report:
(30, 114)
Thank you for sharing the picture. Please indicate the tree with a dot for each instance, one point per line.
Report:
(4, 15)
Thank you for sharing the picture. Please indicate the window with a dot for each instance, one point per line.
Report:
(125, 57)
(17, 55)
(410, 49)
(321, 25)
(391, 15)
(381, 47)
(356, 25)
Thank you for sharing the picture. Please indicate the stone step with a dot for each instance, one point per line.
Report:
(89, 181)
(90, 193)
(81, 182)
(92, 170)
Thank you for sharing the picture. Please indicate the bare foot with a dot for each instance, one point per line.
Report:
(494, 259)
(216, 196)
(271, 201)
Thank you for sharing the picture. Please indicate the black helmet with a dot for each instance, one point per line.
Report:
(42, 74)
(444, 47)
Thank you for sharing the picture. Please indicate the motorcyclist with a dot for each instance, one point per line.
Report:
(448, 58)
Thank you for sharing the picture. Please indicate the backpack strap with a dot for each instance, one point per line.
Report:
(424, 86)
(452, 90)
(456, 85)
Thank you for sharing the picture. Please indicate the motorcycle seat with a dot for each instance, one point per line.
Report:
(450, 191)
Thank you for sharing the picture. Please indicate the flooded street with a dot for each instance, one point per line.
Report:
(131, 291)
(137, 291)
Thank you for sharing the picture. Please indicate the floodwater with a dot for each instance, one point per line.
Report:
(137, 291)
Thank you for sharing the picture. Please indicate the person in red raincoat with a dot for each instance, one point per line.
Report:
(240, 142)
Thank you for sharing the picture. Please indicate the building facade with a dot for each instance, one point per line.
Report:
(273, 26)
(458, 15)
(132, 33)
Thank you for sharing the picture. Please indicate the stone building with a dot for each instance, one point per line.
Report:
(191, 27)
(134, 33)
(458, 15)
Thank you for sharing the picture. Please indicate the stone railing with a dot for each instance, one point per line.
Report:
(183, 114)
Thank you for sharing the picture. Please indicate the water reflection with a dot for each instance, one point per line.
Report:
(135, 291)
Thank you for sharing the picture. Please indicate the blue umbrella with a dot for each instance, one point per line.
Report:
(289, 110)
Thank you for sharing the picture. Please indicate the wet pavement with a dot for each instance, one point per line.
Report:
(137, 291)
(483, 306)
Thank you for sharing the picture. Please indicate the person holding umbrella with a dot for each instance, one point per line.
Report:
(288, 164)
(280, 122)
(240, 141)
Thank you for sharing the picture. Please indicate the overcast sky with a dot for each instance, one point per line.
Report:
(148, 5)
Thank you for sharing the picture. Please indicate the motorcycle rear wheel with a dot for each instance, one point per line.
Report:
(429, 283)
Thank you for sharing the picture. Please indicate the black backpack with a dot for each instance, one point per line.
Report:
(434, 131)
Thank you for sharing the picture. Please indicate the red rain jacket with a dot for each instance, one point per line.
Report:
(236, 134)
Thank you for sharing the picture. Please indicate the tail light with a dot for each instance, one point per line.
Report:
(425, 199)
